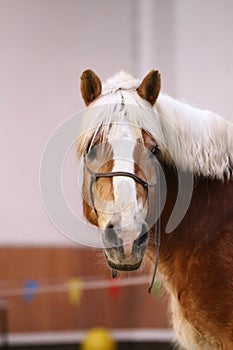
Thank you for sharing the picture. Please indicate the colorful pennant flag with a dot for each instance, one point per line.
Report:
(157, 289)
(75, 290)
(114, 290)
(31, 288)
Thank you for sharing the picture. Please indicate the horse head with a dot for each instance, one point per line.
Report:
(119, 183)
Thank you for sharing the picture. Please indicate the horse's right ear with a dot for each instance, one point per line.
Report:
(91, 86)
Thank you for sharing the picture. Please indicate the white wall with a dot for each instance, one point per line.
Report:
(204, 54)
(190, 41)
(44, 47)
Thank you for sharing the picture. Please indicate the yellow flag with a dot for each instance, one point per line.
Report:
(75, 290)
(157, 289)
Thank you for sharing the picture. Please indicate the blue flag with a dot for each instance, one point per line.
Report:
(31, 288)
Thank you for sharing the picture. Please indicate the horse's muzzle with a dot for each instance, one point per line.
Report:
(126, 257)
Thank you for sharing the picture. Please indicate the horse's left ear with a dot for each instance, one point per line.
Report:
(91, 86)
(150, 87)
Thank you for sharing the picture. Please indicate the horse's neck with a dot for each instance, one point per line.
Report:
(209, 210)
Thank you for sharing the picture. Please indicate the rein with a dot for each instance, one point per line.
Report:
(157, 232)
(95, 176)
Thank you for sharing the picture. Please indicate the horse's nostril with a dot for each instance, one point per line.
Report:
(110, 236)
(142, 239)
(110, 226)
(143, 236)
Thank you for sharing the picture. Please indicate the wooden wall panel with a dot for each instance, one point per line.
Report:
(132, 307)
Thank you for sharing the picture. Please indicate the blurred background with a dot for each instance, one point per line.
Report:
(52, 290)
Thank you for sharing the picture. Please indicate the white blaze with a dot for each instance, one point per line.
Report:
(125, 196)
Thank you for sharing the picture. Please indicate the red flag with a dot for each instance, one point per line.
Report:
(114, 291)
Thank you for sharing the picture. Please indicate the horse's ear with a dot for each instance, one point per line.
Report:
(150, 86)
(91, 86)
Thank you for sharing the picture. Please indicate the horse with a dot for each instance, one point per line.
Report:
(135, 142)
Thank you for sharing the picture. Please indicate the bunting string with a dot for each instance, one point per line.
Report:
(33, 287)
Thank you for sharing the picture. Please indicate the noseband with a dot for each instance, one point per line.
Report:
(95, 176)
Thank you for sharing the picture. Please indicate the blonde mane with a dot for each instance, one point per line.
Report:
(193, 139)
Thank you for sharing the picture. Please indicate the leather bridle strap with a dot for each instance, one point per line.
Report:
(96, 176)
(157, 233)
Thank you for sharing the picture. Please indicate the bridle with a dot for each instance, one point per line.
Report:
(95, 176)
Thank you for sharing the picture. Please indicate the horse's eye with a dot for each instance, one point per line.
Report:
(91, 150)
(155, 150)
(91, 153)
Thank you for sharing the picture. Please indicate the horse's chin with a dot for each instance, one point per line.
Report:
(124, 267)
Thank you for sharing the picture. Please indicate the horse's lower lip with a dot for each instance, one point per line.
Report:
(123, 267)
